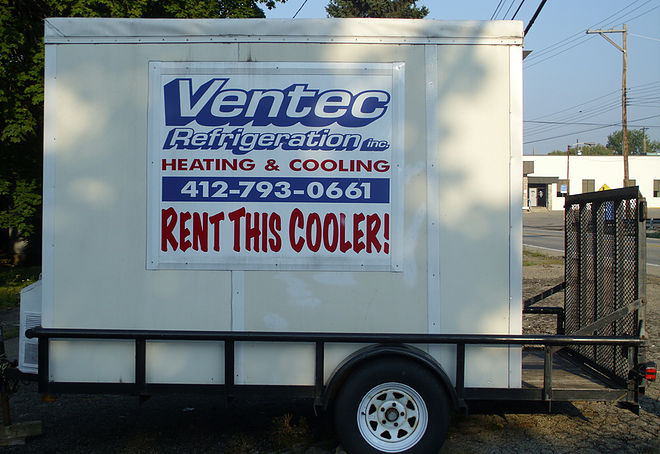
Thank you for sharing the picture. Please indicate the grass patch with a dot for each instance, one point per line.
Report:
(531, 258)
(12, 280)
(241, 443)
(286, 433)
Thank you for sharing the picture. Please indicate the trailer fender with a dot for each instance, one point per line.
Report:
(379, 353)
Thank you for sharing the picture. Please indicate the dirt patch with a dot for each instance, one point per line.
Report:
(537, 279)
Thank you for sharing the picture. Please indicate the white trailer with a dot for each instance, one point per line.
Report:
(329, 207)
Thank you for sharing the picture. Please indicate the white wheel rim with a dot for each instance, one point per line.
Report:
(392, 417)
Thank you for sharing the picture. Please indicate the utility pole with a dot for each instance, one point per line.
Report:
(568, 166)
(644, 128)
(624, 101)
(568, 160)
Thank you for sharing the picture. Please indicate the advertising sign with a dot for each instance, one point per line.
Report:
(275, 166)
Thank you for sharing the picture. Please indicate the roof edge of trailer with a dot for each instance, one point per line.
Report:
(359, 31)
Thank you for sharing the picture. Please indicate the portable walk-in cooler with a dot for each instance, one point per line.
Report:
(278, 176)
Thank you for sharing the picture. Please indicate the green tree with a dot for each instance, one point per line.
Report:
(159, 8)
(405, 9)
(21, 90)
(585, 150)
(21, 99)
(636, 139)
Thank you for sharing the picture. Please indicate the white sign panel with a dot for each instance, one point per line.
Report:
(275, 166)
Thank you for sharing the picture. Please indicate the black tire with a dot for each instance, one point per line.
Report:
(411, 402)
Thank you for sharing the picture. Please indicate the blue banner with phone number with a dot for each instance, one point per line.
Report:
(292, 189)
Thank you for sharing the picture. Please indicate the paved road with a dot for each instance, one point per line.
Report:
(544, 230)
(653, 256)
(548, 239)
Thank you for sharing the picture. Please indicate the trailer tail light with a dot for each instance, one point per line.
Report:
(651, 371)
(48, 398)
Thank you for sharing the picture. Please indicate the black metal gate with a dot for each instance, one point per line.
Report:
(605, 274)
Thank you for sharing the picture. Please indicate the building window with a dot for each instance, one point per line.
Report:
(656, 188)
(588, 185)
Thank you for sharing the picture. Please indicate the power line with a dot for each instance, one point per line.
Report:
(576, 117)
(508, 9)
(655, 82)
(646, 118)
(301, 7)
(655, 85)
(551, 46)
(623, 18)
(532, 64)
(643, 14)
(496, 9)
(545, 124)
(519, 6)
(597, 111)
(541, 129)
(585, 130)
(559, 126)
(647, 103)
(651, 87)
(642, 36)
(533, 19)
(568, 134)
(579, 38)
(642, 96)
(649, 96)
(584, 113)
(578, 105)
(584, 124)
(644, 93)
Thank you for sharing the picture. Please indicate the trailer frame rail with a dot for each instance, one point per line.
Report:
(549, 343)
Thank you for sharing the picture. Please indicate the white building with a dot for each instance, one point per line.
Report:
(547, 179)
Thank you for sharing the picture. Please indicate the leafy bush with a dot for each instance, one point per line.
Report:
(12, 280)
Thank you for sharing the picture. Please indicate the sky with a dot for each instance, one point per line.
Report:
(572, 81)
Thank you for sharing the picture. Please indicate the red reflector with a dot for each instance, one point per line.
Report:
(651, 373)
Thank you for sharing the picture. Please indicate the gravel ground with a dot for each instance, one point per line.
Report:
(201, 424)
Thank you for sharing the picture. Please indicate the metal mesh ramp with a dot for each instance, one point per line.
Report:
(605, 273)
